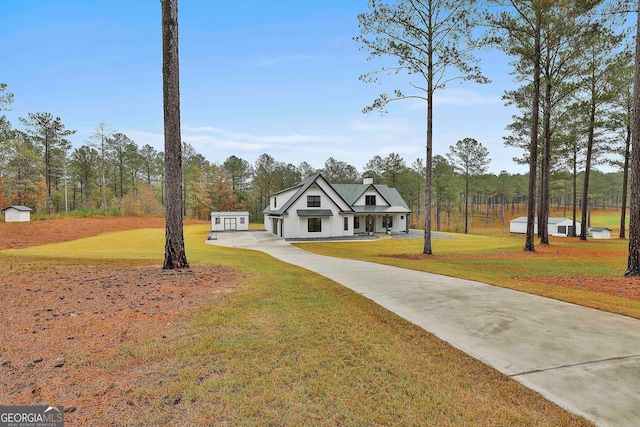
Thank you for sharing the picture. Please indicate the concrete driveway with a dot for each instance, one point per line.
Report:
(586, 360)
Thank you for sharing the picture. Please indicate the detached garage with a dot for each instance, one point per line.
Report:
(229, 221)
(17, 214)
(556, 226)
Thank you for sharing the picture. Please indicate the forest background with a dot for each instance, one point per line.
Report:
(134, 182)
(587, 111)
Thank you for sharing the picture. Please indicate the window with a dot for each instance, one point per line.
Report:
(217, 220)
(387, 222)
(241, 220)
(313, 201)
(356, 222)
(275, 202)
(346, 224)
(370, 200)
(314, 225)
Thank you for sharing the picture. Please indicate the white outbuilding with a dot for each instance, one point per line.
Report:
(229, 221)
(555, 227)
(600, 233)
(16, 213)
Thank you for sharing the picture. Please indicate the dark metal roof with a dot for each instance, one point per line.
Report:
(19, 208)
(301, 188)
(314, 212)
(349, 193)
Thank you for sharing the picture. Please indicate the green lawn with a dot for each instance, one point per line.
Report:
(500, 261)
(293, 348)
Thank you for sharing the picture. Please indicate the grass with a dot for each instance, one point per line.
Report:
(293, 348)
(500, 261)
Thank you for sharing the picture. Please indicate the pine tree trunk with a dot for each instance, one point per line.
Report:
(174, 252)
(625, 185)
(529, 244)
(587, 171)
(633, 265)
(47, 171)
(428, 167)
(426, 249)
(543, 218)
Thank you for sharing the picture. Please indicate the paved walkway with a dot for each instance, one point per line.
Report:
(586, 360)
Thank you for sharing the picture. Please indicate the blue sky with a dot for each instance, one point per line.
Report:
(256, 77)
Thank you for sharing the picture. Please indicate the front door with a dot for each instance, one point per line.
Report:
(230, 224)
(371, 223)
(274, 226)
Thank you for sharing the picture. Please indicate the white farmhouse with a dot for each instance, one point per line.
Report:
(17, 214)
(555, 227)
(229, 221)
(317, 209)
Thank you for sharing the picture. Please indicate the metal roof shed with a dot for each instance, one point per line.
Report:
(17, 213)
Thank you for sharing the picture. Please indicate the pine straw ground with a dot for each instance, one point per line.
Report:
(61, 326)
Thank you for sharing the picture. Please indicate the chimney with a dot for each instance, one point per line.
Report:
(367, 180)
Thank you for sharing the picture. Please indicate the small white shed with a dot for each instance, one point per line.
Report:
(229, 221)
(600, 233)
(17, 214)
(555, 227)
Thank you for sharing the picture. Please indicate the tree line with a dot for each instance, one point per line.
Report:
(576, 71)
(110, 173)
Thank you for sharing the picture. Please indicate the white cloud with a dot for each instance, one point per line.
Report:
(213, 134)
(387, 125)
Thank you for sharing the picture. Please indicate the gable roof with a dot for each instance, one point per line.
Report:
(352, 192)
(552, 220)
(301, 188)
(18, 208)
(349, 193)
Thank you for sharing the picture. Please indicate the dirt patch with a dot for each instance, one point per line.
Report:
(625, 287)
(71, 334)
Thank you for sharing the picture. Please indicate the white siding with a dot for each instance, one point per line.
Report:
(229, 221)
(602, 234)
(14, 215)
(520, 226)
(362, 201)
(563, 226)
(280, 199)
(297, 227)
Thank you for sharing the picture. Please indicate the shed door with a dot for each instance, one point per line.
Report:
(230, 224)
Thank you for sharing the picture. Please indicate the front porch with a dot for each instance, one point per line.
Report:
(375, 223)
